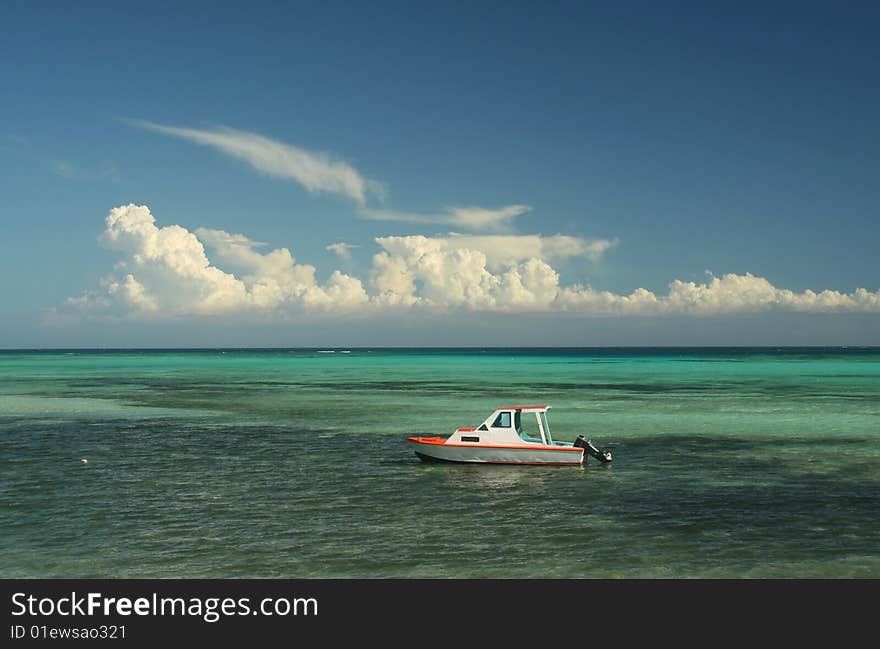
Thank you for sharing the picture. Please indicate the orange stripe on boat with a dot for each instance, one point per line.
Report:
(427, 440)
(441, 441)
(512, 462)
(528, 463)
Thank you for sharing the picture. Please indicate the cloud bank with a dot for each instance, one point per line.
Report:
(168, 271)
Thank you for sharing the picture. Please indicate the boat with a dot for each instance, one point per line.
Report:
(510, 435)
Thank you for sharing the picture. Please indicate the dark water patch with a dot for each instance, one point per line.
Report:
(198, 500)
(725, 443)
(874, 377)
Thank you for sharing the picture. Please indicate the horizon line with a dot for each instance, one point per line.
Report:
(409, 347)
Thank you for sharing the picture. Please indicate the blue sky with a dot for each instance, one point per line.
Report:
(740, 139)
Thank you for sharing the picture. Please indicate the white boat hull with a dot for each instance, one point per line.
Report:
(487, 454)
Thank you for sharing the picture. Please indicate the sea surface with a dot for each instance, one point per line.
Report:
(291, 463)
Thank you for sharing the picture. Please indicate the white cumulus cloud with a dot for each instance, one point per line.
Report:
(730, 293)
(166, 271)
(169, 266)
(316, 171)
(440, 272)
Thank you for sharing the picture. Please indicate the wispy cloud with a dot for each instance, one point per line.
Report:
(468, 218)
(501, 250)
(342, 249)
(70, 171)
(595, 248)
(315, 171)
(322, 172)
(83, 169)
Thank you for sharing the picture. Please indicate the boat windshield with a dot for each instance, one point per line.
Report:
(546, 426)
(527, 427)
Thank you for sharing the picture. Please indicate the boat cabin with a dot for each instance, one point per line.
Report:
(510, 426)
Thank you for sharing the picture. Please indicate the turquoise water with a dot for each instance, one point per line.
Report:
(291, 463)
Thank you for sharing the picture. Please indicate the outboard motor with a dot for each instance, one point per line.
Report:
(589, 447)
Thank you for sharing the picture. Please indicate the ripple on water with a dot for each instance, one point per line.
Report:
(292, 465)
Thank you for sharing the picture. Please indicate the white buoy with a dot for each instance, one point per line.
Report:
(84, 461)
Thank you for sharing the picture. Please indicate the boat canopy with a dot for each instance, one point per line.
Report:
(528, 423)
(544, 408)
